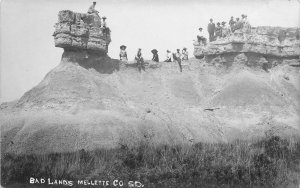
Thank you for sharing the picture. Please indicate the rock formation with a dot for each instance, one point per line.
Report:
(79, 31)
(89, 101)
(271, 43)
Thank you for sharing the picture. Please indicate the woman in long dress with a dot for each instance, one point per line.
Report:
(123, 53)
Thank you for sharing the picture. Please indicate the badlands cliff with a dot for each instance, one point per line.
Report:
(263, 44)
(92, 101)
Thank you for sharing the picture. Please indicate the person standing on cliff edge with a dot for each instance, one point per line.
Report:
(140, 60)
(211, 30)
(93, 11)
(123, 53)
(177, 58)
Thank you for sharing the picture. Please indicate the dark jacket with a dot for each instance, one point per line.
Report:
(155, 58)
(211, 27)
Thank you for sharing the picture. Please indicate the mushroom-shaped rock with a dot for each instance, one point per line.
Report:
(79, 31)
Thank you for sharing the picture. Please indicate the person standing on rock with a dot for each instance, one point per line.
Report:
(246, 24)
(94, 12)
(211, 30)
(231, 24)
(238, 25)
(169, 56)
(218, 31)
(106, 29)
(225, 30)
(185, 54)
(177, 57)
(140, 60)
(123, 53)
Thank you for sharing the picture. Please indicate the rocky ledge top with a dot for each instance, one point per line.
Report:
(81, 31)
(264, 40)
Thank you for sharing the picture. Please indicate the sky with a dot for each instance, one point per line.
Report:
(27, 45)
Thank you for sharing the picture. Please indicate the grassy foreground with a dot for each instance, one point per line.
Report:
(271, 162)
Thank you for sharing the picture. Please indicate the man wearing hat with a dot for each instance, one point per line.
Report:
(123, 53)
(94, 12)
(177, 57)
(155, 55)
(211, 30)
(185, 54)
(169, 56)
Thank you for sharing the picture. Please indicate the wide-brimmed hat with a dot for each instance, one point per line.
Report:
(178, 49)
(154, 51)
(123, 46)
(244, 15)
(223, 23)
(184, 48)
(168, 51)
(200, 28)
(103, 17)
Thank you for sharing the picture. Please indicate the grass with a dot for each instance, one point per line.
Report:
(271, 162)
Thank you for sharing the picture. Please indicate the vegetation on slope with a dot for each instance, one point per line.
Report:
(271, 162)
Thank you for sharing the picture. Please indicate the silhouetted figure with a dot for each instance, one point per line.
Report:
(211, 30)
(155, 55)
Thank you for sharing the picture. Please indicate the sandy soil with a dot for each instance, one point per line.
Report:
(77, 106)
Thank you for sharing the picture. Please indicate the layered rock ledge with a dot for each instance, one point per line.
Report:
(271, 43)
(80, 31)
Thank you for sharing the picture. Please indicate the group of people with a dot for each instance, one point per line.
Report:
(215, 32)
(240, 24)
(221, 30)
(97, 18)
(178, 56)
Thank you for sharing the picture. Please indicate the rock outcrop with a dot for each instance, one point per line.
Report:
(79, 31)
(271, 43)
(89, 101)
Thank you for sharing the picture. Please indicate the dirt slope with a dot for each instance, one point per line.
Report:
(100, 103)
